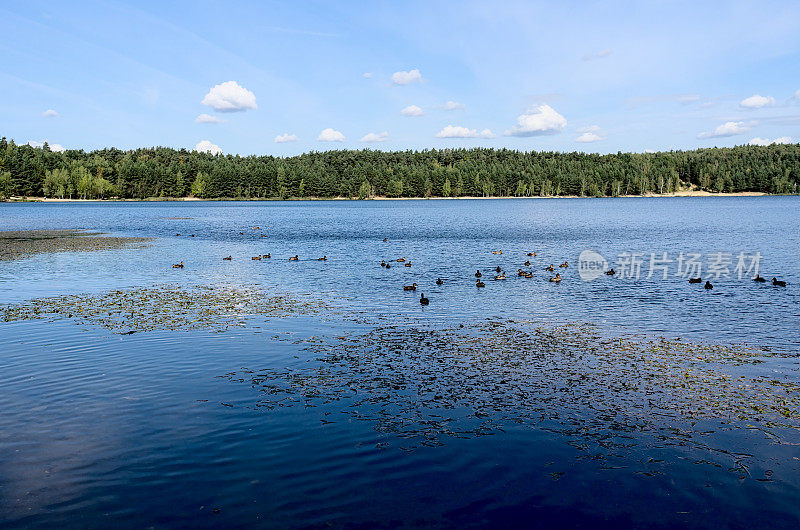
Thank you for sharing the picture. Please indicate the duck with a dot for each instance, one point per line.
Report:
(531, 254)
(323, 258)
(256, 228)
(520, 272)
(256, 258)
(388, 266)
(610, 272)
(263, 235)
(228, 258)
(556, 278)
(383, 263)
(412, 287)
(423, 300)
(385, 240)
(408, 264)
(268, 255)
(708, 285)
(178, 235)
(759, 279)
(500, 276)
(497, 252)
(478, 274)
(564, 265)
(178, 265)
(775, 281)
(401, 260)
(439, 281)
(550, 268)
(294, 258)
(527, 263)
(241, 233)
(695, 280)
(528, 274)
(480, 284)
(498, 269)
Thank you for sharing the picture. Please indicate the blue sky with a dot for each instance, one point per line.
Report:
(567, 76)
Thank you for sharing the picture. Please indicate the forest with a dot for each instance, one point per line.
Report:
(162, 172)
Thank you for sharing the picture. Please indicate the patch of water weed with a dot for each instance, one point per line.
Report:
(165, 307)
(427, 385)
(23, 243)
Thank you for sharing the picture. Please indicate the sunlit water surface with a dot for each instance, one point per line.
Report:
(100, 428)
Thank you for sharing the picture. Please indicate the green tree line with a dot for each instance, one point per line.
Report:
(480, 172)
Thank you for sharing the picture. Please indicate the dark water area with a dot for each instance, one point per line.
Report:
(182, 428)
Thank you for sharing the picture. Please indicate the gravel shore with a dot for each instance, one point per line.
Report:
(24, 243)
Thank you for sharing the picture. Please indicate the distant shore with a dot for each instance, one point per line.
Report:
(684, 193)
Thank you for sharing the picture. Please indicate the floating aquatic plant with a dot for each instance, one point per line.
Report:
(427, 385)
(20, 244)
(164, 307)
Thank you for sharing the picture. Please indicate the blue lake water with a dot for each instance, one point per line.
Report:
(100, 428)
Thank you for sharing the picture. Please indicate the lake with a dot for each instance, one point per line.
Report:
(356, 406)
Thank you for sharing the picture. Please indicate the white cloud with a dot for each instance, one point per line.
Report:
(539, 121)
(207, 147)
(367, 74)
(650, 151)
(230, 97)
(207, 118)
(375, 137)
(285, 138)
(330, 135)
(50, 113)
(593, 133)
(766, 141)
(589, 137)
(412, 110)
(453, 105)
(455, 131)
(597, 55)
(757, 102)
(406, 78)
(56, 148)
(729, 128)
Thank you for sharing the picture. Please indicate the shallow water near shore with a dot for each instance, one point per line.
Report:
(197, 425)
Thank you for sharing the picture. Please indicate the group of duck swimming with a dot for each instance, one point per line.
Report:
(413, 287)
(500, 274)
(255, 258)
(478, 275)
(269, 255)
(400, 260)
(521, 273)
(775, 281)
(555, 279)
